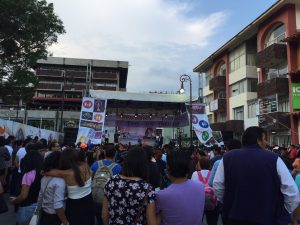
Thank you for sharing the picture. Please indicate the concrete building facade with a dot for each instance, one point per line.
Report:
(251, 78)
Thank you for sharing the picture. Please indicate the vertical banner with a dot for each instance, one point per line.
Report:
(296, 95)
(201, 125)
(92, 119)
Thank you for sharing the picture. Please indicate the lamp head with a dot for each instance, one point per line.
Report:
(181, 91)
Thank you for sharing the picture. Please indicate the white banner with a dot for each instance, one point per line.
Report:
(92, 119)
(22, 131)
(201, 125)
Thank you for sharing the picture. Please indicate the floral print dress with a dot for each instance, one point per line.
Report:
(125, 198)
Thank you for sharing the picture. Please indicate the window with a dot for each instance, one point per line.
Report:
(207, 99)
(207, 77)
(239, 113)
(222, 94)
(237, 59)
(252, 85)
(209, 118)
(238, 88)
(276, 35)
(221, 117)
(221, 71)
(252, 109)
(280, 71)
(283, 104)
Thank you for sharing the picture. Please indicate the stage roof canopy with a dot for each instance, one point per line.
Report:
(145, 97)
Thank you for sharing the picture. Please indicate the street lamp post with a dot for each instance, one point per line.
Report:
(183, 78)
(62, 101)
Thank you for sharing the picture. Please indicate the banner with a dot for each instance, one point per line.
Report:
(22, 131)
(296, 95)
(92, 119)
(201, 125)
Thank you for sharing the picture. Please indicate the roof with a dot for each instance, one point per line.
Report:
(153, 97)
(247, 32)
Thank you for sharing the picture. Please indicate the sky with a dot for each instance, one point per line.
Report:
(161, 39)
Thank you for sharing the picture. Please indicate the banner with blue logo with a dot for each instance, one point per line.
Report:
(201, 124)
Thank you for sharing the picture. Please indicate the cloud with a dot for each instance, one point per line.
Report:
(159, 38)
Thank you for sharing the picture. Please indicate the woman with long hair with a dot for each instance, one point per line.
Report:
(79, 205)
(128, 198)
(31, 182)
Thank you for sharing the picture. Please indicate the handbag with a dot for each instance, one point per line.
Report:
(3, 205)
(37, 212)
(136, 220)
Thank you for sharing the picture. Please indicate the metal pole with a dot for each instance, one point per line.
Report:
(191, 127)
(62, 102)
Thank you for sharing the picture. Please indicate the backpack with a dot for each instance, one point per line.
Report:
(101, 177)
(210, 196)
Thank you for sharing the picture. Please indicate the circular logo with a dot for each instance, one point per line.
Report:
(203, 124)
(98, 117)
(194, 119)
(87, 104)
(205, 136)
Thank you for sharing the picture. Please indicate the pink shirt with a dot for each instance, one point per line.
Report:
(28, 178)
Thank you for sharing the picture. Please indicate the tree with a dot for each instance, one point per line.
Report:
(27, 29)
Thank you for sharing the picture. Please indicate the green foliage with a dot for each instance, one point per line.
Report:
(27, 29)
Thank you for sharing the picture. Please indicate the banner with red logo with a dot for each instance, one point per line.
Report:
(92, 119)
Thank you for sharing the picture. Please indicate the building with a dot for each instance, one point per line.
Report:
(254, 78)
(64, 81)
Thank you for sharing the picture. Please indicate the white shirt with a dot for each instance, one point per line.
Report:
(20, 155)
(9, 148)
(195, 175)
(288, 186)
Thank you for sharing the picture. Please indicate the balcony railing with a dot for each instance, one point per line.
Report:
(275, 121)
(218, 126)
(47, 86)
(217, 105)
(107, 88)
(278, 85)
(236, 126)
(217, 83)
(49, 72)
(100, 75)
(272, 56)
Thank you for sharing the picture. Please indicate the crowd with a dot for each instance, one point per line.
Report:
(246, 182)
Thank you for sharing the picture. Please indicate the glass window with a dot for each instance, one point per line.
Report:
(283, 104)
(221, 71)
(280, 71)
(207, 99)
(221, 117)
(252, 85)
(276, 35)
(237, 58)
(209, 118)
(207, 77)
(238, 88)
(252, 109)
(239, 113)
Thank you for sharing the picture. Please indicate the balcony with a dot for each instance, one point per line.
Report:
(217, 105)
(217, 83)
(271, 56)
(106, 88)
(51, 87)
(275, 121)
(278, 85)
(74, 87)
(218, 126)
(236, 126)
(103, 75)
(75, 74)
(49, 73)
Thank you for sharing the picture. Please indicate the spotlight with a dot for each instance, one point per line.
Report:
(166, 115)
(135, 115)
(106, 114)
(121, 115)
(150, 116)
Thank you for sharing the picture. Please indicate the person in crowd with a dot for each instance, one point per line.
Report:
(233, 144)
(21, 153)
(128, 198)
(52, 194)
(154, 174)
(79, 205)
(53, 146)
(113, 167)
(4, 161)
(31, 182)
(16, 176)
(162, 166)
(205, 172)
(292, 152)
(263, 192)
(217, 154)
(297, 180)
(166, 150)
(183, 201)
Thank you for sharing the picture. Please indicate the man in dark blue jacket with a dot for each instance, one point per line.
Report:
(254, 184)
